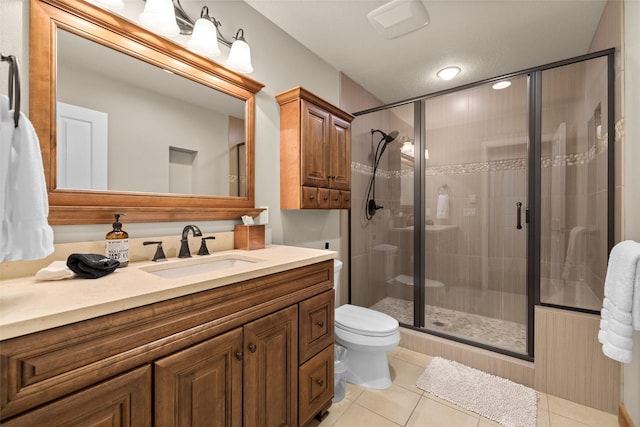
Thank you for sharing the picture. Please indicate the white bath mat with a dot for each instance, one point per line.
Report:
(503, 401)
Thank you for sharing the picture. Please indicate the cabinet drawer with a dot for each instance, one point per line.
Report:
(124, 401)
(340, 199)
(315, 387)
(316, 326)
(309, 198)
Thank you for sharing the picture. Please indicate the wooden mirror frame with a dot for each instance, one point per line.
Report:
(68, 206)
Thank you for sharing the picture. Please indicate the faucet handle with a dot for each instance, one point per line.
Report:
(159, 255)
(203, 246)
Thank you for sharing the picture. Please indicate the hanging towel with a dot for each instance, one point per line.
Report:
(620, 313)
(442, 208)
(576, 254)
(24, 231)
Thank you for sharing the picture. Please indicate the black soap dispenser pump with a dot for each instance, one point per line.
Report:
(117, 243)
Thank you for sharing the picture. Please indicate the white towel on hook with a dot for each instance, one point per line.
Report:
(442, 207)
(621, 305)
(24, 231)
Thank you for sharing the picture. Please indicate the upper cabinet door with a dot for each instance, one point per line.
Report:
(339, 168)
(316, 131)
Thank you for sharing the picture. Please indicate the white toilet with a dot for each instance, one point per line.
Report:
(368, 335)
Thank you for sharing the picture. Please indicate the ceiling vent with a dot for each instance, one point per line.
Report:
(399, 17)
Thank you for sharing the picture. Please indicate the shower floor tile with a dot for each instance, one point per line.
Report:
(499, 333)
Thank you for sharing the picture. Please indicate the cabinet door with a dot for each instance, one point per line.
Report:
(124, 401)
(315, 134)
(202, 385)
(340, 155)
(271, 370)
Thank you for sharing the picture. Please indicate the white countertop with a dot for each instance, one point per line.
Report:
(28, 305)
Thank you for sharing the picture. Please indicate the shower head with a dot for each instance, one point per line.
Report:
(386, 137)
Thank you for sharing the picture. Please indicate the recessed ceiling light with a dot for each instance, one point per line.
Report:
(399, 17)
(502, 85)
(448, 73)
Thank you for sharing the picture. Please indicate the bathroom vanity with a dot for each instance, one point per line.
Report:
(250, 344)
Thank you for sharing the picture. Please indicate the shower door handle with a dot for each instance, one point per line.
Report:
(519, 215)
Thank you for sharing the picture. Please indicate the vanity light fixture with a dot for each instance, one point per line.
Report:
(501, 85)
(205, 36)
(448, 73)
(159, 16)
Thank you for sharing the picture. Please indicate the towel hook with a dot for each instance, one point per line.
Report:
(443, 190)
(14, 86)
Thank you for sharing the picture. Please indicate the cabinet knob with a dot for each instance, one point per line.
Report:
(252, 348)
(326, 197)
(320, 323)
(239, 355)
(320, 382)
(312, 196)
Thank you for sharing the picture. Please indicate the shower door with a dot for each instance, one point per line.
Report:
(495, 200)
(475, 231)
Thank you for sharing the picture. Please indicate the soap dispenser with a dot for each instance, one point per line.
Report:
(117, 243)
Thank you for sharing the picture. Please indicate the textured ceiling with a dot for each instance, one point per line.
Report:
(485, 38)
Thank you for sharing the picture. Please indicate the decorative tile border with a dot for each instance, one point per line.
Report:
(565, 160)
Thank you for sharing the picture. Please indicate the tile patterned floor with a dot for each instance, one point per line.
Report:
(482, 329)
(403, 404)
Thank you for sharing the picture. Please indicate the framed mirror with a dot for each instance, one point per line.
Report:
(131, 122)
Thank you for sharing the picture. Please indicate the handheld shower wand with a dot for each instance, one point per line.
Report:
(386, 139)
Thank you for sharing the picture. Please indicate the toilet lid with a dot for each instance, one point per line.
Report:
(364, 321)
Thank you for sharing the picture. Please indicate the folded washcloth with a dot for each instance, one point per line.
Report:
(91, 266)
(57, 270)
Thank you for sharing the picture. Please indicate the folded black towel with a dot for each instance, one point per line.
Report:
(91, 266)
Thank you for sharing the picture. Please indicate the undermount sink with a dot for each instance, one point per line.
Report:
(193, 266)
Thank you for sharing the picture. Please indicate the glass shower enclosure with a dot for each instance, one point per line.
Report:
(487, 202)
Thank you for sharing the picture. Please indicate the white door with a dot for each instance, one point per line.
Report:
(82, 148)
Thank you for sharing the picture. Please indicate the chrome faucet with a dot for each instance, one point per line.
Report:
(184, 242)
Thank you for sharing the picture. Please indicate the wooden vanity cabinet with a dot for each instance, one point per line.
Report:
(228, 356)
(315, 152)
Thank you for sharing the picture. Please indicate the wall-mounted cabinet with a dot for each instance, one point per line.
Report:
(315, 152)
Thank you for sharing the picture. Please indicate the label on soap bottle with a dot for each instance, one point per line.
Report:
(118, 250)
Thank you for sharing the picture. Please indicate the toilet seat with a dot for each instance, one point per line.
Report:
(357, 320)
